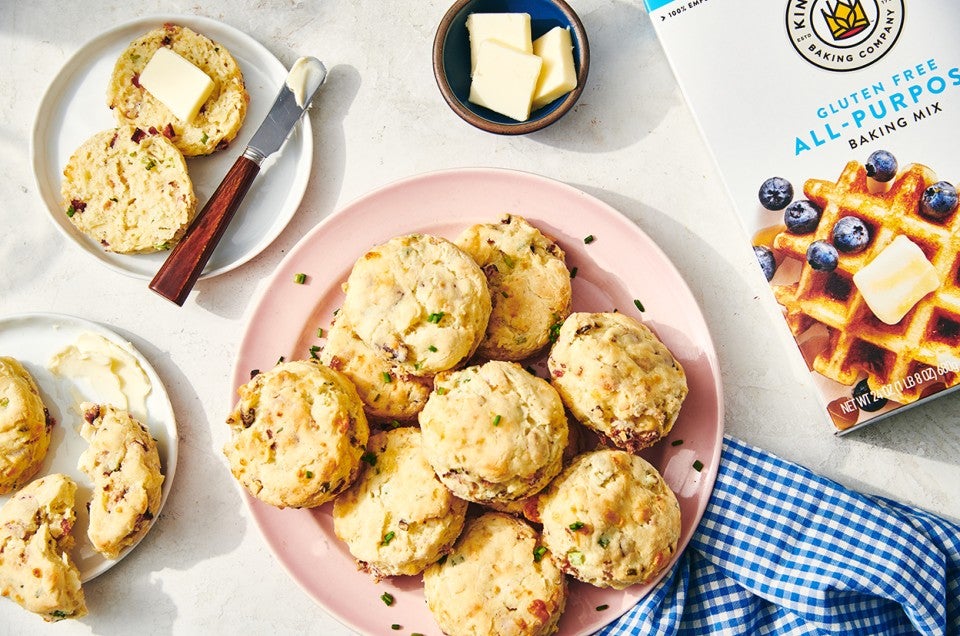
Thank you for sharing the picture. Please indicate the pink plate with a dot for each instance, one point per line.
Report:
(620, 265)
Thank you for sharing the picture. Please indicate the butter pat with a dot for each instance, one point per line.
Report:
(504, 79)
(175, 81)
(896, 279)
(558, 75)
(112, 373)
(512, 29)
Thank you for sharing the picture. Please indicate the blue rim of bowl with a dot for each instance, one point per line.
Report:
(486, 119)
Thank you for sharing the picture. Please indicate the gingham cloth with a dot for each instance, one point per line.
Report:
(781, 550)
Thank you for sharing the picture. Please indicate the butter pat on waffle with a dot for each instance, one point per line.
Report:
(899, 360)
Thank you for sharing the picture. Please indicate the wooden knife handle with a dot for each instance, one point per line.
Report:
(183, 266)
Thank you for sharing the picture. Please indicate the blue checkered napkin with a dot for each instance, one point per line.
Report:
(781, 550)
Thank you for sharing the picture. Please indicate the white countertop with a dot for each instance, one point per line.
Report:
(631, 142)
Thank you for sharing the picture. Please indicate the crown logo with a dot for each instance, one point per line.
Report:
(846, 19)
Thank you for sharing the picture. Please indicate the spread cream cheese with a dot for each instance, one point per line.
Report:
(113, 374)
(305, 77)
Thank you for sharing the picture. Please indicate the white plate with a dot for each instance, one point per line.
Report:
(35, 338)
(74, 108)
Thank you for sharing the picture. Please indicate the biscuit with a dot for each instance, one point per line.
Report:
(494, 431)
(220, 117)
(298, 432)
(25, 426)
(129, 191)
(36, 570)
(529, 285)
(617, 378)
(397, 518)
(123, 465)
(497, 580)
(387, 393)
(419, 301)
(610, 519)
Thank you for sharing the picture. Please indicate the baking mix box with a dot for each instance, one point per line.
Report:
(836, 127)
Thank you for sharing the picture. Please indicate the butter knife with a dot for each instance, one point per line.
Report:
(179, 273)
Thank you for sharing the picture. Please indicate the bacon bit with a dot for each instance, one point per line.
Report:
(78, 205)
(168, 131)
(37, 573)
(336, 363)
(538, 608)
(153, 130)
(557, 373)
(166, 41)
(135, 80)
(113, 140)
(91, 414)
(531, 508)
(137, 136)
(612, 517)
(65, 526)
(222, 144)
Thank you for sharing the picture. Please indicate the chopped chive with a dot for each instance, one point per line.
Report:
(573, 272)
(698, 465)
(441, 390)
(575, 557)
(395, 627)
(387, 538)
(589, 239)
(314, 350)
(603, 541)
(369, 458)
(387, 598)
(281, 359)
(676, 442)
(432, 349)
(204, 138)
(600, 608)
(4, 401)
(638, 304)
(320, 332)
(538, 553)
(309, 474)
(300, 278)
(576, 525)
(496, 420)
(71, 211)
(435, 317)
(386, 377)
(555, 331)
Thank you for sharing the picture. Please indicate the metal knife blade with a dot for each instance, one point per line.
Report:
(178, 274)
(303, 81)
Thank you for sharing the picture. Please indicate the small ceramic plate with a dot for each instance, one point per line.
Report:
(619, 266)
(74, 108)
(34, 339)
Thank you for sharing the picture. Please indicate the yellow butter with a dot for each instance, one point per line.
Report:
(175, 81)
(558, 75)
(896, 279)
(512, 29)
(505, 79)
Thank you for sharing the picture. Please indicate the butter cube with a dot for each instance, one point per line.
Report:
(896, 279)
(505, 79)
(512, 29)
(175, 81)
(558, 75)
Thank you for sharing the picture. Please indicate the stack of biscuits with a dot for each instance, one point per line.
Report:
(450, 458)
(128, 188)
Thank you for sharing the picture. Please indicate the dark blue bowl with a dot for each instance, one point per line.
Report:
(451, 61)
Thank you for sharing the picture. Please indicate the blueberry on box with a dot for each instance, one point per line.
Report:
(938, 200)
(802, 217)
(775, 193)
(850, 235)
(766, 260)
(822, 256)
(881, 165)
(869, 401)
